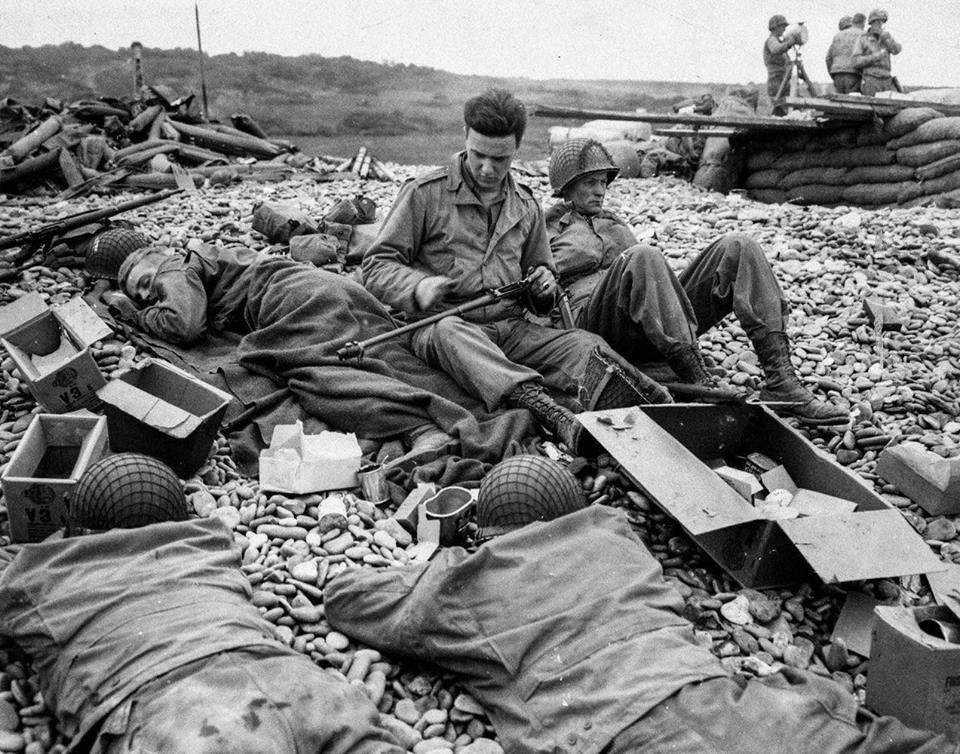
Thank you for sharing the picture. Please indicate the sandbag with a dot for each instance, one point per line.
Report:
(938, 168)
(720, 164)
(808, 176)
(946, 96)
(862, 156)
(872, 194)
(794, 142)
(870, 135)
(280, 221)
(910, 193)
(841, 138)
(908, 120)
(924, 154)
(769, 195)
(879, 174)
(761, 159)
(942, 184)
(950, 200)
(624, 154)
(764, 179)
(815, 193)
(800, 160)
(936, 129)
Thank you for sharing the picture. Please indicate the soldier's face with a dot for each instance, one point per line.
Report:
(138, 284)
(586, 194)
(489, 157)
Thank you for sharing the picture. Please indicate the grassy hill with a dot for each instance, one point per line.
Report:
(404, 113)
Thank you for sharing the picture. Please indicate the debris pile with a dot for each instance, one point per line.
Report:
(157, 141)
(903, 384)
(909, 159)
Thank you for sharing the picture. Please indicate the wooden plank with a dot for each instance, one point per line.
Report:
(836, 110)
(890, 103)
(758, 122)
(720, 132)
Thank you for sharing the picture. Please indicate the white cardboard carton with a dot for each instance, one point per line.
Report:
(297, 463)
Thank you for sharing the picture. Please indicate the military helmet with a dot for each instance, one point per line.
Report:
(578, 157)
(845, 22)
(523, 489)
(127, 490)
(776, 21)
(108, 250)
(877, 14)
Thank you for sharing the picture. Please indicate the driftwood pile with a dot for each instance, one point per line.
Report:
(156, 141)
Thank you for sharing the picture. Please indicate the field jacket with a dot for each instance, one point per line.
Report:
(438, 226)
(840, 55)
(564, 631)
(871, 53)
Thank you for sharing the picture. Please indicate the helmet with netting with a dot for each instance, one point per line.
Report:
(877, 14)
(775, 21)
(108, 250)
(523, 489)
(127, 490)
(576, 158)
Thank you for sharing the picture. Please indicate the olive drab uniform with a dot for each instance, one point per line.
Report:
(438, 226)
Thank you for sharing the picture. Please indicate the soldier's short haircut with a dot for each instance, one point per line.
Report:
(496, 112)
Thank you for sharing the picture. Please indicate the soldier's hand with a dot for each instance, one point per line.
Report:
(432, 290)
(120, 303)
(543, 283)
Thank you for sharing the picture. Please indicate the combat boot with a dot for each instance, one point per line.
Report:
(687, 362)
(556, 419)
(782, 384)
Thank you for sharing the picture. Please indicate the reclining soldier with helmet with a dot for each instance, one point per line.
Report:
(625, 291)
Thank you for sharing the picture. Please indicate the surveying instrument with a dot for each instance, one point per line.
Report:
(790, 85)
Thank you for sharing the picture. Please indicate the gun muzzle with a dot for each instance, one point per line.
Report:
(352, 350)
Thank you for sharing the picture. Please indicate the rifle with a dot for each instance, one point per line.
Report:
(31, 240)
(355, 349)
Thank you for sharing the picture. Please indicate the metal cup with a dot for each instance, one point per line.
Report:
(450, 506)
(373, 483)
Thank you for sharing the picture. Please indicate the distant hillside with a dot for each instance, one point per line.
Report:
(342, 100)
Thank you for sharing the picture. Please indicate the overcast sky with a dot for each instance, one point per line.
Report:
(671, 40)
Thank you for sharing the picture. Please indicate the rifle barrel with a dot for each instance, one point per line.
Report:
(58, 227)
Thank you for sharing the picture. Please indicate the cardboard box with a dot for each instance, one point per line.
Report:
(296, 463)
(744, 483)
(52, 455)
(158, 409)
(663, 450)
(914, 674)
(50, 349)
(931, 481)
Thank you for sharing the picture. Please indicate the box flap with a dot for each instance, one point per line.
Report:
(862, 545)
(83, 323)
(653, 459)
(855, 623)
(155, 412)
(945, 586)
(22, 310)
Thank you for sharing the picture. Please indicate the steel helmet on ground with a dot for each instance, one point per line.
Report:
(108, 250)
(523, 489)
(578, 157)
(776, 21)
(877, 14)
(127, 490)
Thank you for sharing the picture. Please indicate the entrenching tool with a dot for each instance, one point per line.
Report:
(704, 394)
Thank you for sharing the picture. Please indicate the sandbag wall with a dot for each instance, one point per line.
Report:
(908, 159)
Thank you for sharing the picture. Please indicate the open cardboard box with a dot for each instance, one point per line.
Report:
(50, 349)
(158, 409)
(663, 449)
(298, 463)
(54, 453)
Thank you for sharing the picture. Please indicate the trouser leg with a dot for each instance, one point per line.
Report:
(466, 352)
(640, 308)
(733, 275)
(790, 712)
(560, 356)
(248, 703)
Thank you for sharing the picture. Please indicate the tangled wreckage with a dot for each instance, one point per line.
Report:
(781, 539)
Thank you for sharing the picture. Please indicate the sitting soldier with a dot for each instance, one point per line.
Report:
(625, 291)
